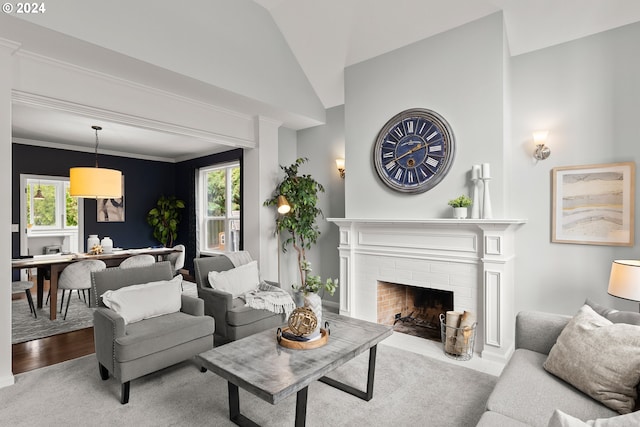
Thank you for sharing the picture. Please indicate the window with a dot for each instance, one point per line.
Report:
(49, 206)
(219, 208)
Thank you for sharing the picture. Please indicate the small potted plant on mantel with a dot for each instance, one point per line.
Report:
(460, 206)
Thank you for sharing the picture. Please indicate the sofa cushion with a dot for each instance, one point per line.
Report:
(494, 419)
(236, 281)
(143, 301)
(159, 333)
(600, 358)
(614, 315)
(528, 393)
(560, 419)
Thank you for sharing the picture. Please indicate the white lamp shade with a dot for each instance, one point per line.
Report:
(624, 281)
(540, 137)
(95, 183)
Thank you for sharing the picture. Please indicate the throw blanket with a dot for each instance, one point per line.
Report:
(270, 298)
(239, 258)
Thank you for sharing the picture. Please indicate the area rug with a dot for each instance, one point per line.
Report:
(24, 327)
(410, 389)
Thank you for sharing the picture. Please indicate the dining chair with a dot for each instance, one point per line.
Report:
(138, 261)
(176, 258)
(20, 286)
(77, 276)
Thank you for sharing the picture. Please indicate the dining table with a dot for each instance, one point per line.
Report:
(52, 265)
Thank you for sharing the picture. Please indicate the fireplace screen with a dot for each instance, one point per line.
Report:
(413, 310)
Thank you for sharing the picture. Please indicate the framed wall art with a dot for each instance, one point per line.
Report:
(594, 204)
(111, 210)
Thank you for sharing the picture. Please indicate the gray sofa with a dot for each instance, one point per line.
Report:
(129, 351)
(526, 394)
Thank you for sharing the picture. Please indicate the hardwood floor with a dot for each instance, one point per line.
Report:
(51, 350)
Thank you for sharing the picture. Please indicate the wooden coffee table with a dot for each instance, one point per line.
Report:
(261, 366)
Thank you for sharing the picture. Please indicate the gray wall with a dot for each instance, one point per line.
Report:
(321, 145)
(457, 74)
(586, 92)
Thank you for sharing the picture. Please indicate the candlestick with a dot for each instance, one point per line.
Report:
(475, 207)
(486, 199)
(486, 172)
(475, 172)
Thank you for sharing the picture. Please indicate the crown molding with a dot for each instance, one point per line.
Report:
(38, 101)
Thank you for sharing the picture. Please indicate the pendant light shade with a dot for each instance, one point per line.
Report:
(95, 182)
(38, 195)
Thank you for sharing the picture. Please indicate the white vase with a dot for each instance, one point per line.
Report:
(314, 302)
(460, 213)
(107, 245)
(92, 241)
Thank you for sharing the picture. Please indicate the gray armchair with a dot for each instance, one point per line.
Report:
(129, 351)
(233, 319)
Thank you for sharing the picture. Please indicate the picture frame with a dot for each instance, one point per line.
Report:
(594, 204)
(110, 210)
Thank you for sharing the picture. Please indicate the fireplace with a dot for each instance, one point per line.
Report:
(471, 258)
(412, 310)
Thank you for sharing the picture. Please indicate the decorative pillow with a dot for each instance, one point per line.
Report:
(236, 281)
(614, 315)
(138, 302)
(560, 419)
(600, 358)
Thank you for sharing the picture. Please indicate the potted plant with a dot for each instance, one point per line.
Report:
(460, 205)
(164, 219)
(301, 193)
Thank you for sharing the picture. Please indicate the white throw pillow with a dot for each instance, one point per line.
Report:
(561, 419)
(138, 302)
(236, 281)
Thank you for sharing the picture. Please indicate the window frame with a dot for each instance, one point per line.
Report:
(202, 216)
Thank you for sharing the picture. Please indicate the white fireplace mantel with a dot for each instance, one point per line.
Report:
(472, 257)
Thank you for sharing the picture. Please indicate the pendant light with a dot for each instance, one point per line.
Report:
(38, 195)
(95, 182)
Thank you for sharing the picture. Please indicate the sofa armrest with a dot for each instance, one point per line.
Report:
(538, 331)
(107, 326)
(216, 304)
(192, 305)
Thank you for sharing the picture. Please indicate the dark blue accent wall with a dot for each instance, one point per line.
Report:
(144, 180)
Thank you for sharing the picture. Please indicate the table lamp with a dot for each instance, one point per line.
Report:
(624, 281)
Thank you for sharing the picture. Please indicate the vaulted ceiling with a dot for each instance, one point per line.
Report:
(327, 36)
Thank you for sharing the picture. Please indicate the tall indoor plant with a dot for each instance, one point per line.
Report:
(164, 219)
(301, 192)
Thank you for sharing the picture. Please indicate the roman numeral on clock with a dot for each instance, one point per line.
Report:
(387, 155)
(410, 126)
(432, 162)
(398, 132)
(389, 166)
(398, 175)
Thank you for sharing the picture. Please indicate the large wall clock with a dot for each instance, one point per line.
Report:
(414, 150)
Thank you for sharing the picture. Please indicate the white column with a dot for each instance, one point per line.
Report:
(498, 254)
(6, 79)
(260, 177)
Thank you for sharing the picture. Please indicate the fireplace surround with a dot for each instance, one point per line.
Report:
(473, 258)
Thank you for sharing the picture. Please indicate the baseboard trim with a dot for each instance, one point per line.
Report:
(7, 381)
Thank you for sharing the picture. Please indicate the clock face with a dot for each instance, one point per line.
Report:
(414, 151)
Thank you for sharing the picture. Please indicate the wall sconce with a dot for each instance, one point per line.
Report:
(283, 205)
(340, 166)
(542, 151)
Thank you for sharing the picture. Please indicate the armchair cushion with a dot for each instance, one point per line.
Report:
(241, 314)
(236, 281)
(153, 335)
(144, 301)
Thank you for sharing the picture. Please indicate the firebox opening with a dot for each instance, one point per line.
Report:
(413, 310)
